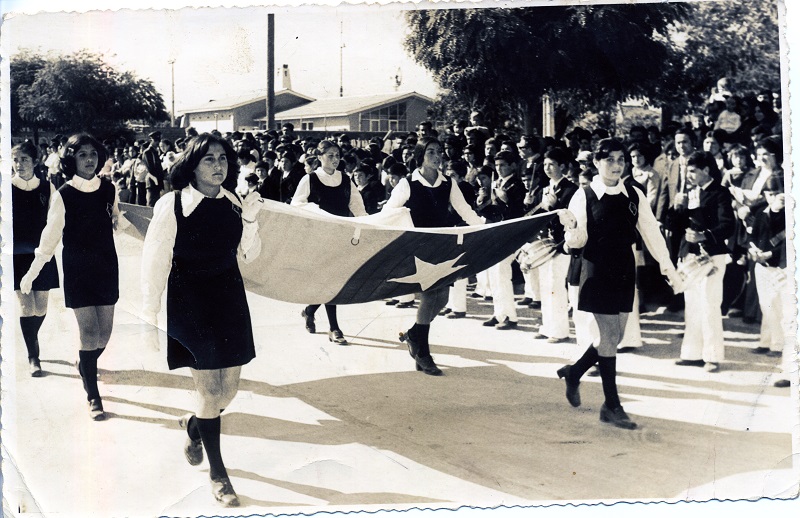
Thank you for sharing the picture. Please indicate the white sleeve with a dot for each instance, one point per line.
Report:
(462, 207)
(53, 230)
(356, 204)
(576, 237)
(400, 195)
(302, 193)
(649, 229)
(250, 244)
(157, 254)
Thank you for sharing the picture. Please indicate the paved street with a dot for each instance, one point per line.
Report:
(322, 426)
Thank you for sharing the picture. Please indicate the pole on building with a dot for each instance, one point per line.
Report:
(341, 46)
(172, 114)
(270, 71)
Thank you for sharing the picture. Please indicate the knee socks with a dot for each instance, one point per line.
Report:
(310, 310)
(608, 373)
(88, 370)
(586, 362)
(192, 430)
(209, 430)
(30, 333)
(333, 322)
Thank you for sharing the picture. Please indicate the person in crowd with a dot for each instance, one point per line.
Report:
(603, 220)
(197, 234)
(30, 201)
(644, 174)
(729, 119)
(246, 168)
(333, 192)
(775, 288)
(151, 159)
(428, 195)
(372, 192)
(457, 299)
(83, 213)
(293, 174)
(706, 214)
(713, 143)
(473, 156)
(53, 162)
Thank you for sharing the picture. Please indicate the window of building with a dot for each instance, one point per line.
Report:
(307, 126)
(391, 117)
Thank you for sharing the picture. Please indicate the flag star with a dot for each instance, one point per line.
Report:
(428, 274)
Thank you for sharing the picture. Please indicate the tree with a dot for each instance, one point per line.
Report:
(80, 92)
(498, 59)
(24, 68)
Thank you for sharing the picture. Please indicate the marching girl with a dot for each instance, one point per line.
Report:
(84, 213)
(30, 199)
(603, 219)
(334, 193)
(198, 232)
(429, 195)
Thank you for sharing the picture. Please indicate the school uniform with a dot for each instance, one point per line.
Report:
(83, 213)
(709, 211)
(500, 274)
(30, 201)
(333, 193)
(192, 247)
(372, 193)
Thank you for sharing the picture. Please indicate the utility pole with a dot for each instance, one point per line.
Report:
(172, 114)
(270, 71)
(341, 46)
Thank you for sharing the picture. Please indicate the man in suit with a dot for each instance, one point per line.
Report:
(155, 173)
(707, 221)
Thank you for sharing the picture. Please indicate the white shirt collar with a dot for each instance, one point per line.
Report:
(417, 176)
(85, 185)
(601, 189)
(25, 185)
(191, 198)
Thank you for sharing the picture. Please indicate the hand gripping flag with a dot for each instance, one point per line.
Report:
(312, 257)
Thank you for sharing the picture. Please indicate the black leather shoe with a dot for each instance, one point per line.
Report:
(192, 450)
(535, 305)
(223, 492)
(445, 311)
(573, 394)
(96, 410)
(405, 305)
(311, 327)
(617, 417)
(426, 365)
(760, 350)
(506, 324)
(525, 301)
(782, 383)
(413, 346)
(457, 314)
(35, 368)
(488, 298)
(392, 302)
(690, 363)
(774, 354)
(625, 349)
(337, 337)
(491, 322)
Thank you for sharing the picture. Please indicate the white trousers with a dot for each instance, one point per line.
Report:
(503, 290)
(775, 296)
(532, 290)
(483, 286)
(457, 301)
(702, 338)
(555, 301)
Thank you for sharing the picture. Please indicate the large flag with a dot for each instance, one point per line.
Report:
(312, 257)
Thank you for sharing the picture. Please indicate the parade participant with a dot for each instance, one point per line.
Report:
(30, 199)
(603, 220)
(428, 195)
(334, 193)
(198, 232)
(553, 273)
(84, 213)
(151, 157)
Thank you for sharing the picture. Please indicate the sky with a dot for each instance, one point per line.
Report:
(222, 52)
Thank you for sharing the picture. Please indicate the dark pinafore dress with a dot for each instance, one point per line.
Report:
(608, 267)
(208, 320)
(91, 270)
(334, 200)
(29, 211)
(429, 206)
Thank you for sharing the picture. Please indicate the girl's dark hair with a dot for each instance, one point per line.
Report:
(459, 167)
(74, 143)
(422, 145)
(28, 148)
(742, 152)
(366, 169)
(558, 155)
(774, 146)
(325, 145)
(705, 160)
(313, 162)
(182, 171)
(606, 146)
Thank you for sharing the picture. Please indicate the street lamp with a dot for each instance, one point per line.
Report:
(172, 115)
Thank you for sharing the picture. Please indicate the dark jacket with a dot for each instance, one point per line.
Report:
(714, 218)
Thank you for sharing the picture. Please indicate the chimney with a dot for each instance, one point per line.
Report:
(286, 79)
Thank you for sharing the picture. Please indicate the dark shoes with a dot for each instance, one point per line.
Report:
(96, 409)
(625, 349)
(690, 363)
(535, 305)
(35, 368)
(573, 394)
(774, 354)
(557, 340)
(405, 305)
(310, 326)
(524, 302)
(445, 311)
(491, 322)
(193, 450)
(425, 364)
(617, 417)
(506, 324)
(760, 350)
(337, 337)
(457, 314)
(711, 367)
(413, 346)
(782, 383)
(392, 302)
(223, 492)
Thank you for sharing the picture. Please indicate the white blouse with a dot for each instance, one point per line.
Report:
(303, 191)
(402, 192)
(160, 240)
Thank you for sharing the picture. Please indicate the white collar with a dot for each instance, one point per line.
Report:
(25, 185)
(85, 185)
(417, 176)
(601, 189)
(191, 198)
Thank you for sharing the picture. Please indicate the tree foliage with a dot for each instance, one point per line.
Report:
(494, 58)
(80, 92)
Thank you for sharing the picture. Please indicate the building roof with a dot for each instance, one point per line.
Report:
(343, 106)
(231, 103)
